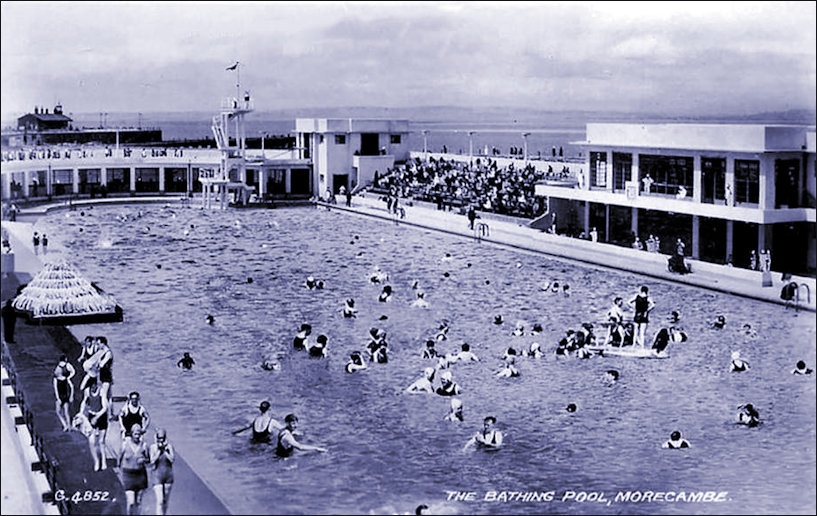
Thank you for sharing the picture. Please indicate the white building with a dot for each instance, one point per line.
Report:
(724, 189)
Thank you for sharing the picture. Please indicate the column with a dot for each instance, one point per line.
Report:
(288, 181)
(608, 170)
(262, 182)
(606, 223)
(133, 179)
(697, 181)
(696, 236)
(730, 184)
(730, 231)
(586, 217)
(7, 186)
(26, 181)
(161, 179)
(764, 236)
(634, 221)
(75, 182)
(766, 200)
(634, 174)
(103, 177)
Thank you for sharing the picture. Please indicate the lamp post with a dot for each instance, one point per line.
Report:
(471, 147)
(525, 145)
(425, 144)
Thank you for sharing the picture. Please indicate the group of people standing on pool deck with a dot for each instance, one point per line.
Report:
(96, 410)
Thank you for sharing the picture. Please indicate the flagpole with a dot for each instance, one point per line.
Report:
(238, 81)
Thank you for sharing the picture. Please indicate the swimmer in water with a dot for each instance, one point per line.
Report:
(421, 509)
(535, 350)
(270, 365)
(186, 362)
(319, 349)
(748, 415)
(611, 376)
(488, 438)
(675, 442)
(498, 319)
(349, 311)
(537, 329)
(466, 355)
(719, 322)
(210, 319)
(455, 412)
(355, 363)
(801, 368)
(310, 283)
(442, 331)
(430, 351)
(571, 407)
(286, 441)
(737, 364)
(301, 340)
(509, 370)
(264, 426)
(447, 258)
(420, 302)
(566, 290)
(448, 387)
(674, 317)
(423, 385)
(510, 353)
(385, 295)
(519, 331)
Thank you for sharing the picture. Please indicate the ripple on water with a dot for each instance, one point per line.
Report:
(393, 450)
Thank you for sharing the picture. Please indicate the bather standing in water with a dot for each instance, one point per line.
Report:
(286, 441)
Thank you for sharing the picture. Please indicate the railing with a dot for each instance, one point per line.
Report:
(482, 230)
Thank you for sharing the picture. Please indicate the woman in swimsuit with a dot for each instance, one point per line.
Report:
(675, 442)
(424, 384)
(161, 460)
(301, 339)
(95, 407)
(64, 391)
(643, 304)
(286, 441)
(355, 362)
(738, 364)
(349, 311)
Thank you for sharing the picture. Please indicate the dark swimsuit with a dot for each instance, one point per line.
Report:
(281, 450)
(641, 305)
(131, 418)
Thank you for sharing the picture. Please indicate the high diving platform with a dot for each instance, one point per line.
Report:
(228, 182)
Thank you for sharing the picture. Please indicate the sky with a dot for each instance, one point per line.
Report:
(684, 58)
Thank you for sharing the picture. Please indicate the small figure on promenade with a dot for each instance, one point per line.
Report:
(161, 461)
(648, 181)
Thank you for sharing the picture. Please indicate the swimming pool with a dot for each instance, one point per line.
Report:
(389, 451)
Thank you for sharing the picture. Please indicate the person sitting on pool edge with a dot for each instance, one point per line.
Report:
(355, 362)
(801, 368)
(488, 438)
(675, 442)
(286, 441)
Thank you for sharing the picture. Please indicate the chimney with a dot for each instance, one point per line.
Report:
(36, 110)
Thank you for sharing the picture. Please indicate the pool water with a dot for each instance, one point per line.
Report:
(388, 451)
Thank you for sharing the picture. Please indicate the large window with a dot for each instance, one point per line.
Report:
(598, 169)
(747, 181)
(713, 177)
(787, 183)
(340, 139)
(668, 173)
(622, 169)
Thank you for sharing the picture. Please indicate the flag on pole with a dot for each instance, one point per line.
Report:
(233, 67)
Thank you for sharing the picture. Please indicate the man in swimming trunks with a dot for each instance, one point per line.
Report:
(430, 351)
(489, 438)
(133, 412)
(64, 391)
(675, 442)
(133, 457)
(466, 355)
(286, 441)
(264, 425)
(643, 305)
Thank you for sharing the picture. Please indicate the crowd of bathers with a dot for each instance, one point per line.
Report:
(505, 190)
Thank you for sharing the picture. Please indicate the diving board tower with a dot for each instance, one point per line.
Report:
(230, 180)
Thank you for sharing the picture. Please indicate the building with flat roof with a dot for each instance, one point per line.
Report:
(349, 152)
(725, 190)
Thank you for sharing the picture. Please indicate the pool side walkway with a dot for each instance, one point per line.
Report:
(721, 278)
(34, 354)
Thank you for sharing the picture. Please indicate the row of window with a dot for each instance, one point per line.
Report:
(395, 139)
(671, 174)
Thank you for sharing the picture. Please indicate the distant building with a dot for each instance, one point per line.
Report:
(725, 190)
(348, 152)
(42, 120)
